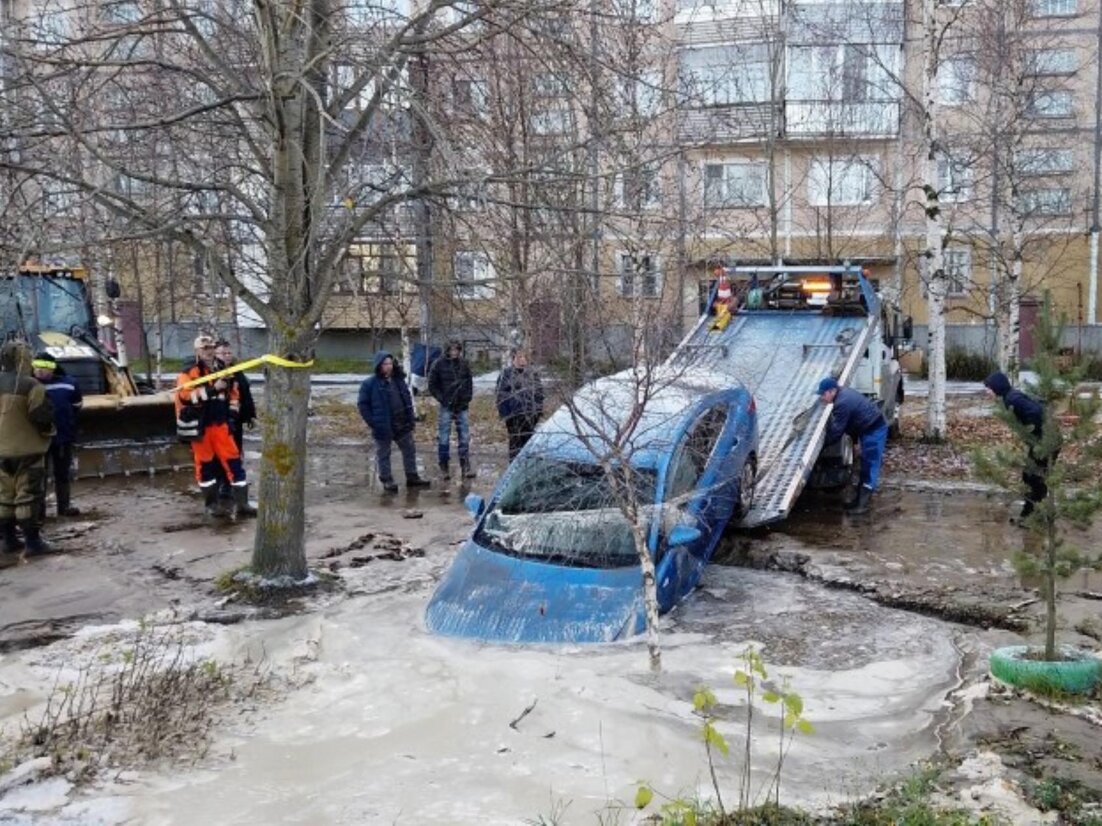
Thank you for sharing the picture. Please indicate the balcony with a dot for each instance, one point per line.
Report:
(817, 119)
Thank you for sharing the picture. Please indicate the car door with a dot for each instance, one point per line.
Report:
(692, 497)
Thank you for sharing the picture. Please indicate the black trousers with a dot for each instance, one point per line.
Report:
(59, 462)
(520, 430)
(1034, 477)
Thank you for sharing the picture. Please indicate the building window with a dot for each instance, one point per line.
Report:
(550, 122)
(723, 75)
(956, 81)
(1058, 103)
(376, 269)
(637, 188)
(474, 275)
(954, 180)
(1051, 62)
(957, 264)
(641, 93)
(1046, 161)
(639, 275)
(1046, 202)
(843, 73)
(1055, 8)
(739, 184)
(471, 96)
(841, 182)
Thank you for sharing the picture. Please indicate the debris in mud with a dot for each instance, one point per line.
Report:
(382, 545)
(413, 514)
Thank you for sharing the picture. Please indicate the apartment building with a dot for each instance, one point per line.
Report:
(804, 124)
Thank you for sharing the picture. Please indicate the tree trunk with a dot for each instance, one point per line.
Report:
(279, 547)
(650, 596)
(937, 286)
(1051, 543)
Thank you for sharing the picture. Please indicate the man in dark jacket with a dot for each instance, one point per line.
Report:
(519, 401)
(856, 416)
(66, 399)
(1030, 413)
(245, 414)
(26, 426)
(386, 406)
(451, 384)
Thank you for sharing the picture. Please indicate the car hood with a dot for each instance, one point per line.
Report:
(492, 596)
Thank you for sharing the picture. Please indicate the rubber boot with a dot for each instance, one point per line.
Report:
(35, 543)
(389, 486)
(468, 471)
(9, 540)
(417, 482)
(241, 504)
(64, 504)
(445, 472)
(211, 506)
(864, 496)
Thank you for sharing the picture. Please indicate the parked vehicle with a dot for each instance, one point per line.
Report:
(123, 426)
(554, 557)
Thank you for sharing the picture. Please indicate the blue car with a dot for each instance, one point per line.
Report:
(553, 557)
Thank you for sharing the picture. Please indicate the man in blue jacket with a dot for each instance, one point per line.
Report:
(1030, 413)
(67, 401)
(856, 416)
(386, 406)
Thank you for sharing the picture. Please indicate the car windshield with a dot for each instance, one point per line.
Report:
(33, 304)
(568, 513)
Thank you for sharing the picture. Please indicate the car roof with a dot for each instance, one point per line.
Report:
(585, 428)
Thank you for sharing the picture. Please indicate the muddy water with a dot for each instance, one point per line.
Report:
(391, 725)
(397, 726)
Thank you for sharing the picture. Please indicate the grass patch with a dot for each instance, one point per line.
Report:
(133, 702)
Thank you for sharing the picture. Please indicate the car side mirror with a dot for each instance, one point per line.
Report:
(908, 328)
(113, 289)
(683, 535)
(475, 504)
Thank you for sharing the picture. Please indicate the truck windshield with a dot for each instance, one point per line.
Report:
(35, 303)
(567, 513)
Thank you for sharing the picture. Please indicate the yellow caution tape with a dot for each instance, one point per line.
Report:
(244, 365)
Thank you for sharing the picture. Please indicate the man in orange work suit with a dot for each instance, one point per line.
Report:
(204, 412)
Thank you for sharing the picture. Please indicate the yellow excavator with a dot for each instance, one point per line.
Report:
(124, 427)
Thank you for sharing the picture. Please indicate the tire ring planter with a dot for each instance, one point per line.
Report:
(1077, 673)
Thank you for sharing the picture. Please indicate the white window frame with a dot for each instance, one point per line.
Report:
(480, 284)
(955, 179)
(825, 77)
(956, 262)
(1049, 62)
(1049, 104)
(828, 178)
(1055, 8)
(626, 273)
(641, 93)
(1046, 202)
(956, 81)
(1046, 160)
(725, 80)
(649, 189)
(550, 121)
(734, 183)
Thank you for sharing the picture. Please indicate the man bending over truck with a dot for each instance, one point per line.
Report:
(856, 416)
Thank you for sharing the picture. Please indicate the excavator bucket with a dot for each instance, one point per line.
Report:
(125, 435)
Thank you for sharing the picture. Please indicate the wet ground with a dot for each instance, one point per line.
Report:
(879, 621)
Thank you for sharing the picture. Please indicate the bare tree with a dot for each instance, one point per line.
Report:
(262, 118)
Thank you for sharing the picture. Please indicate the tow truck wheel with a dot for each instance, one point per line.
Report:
(747, 478)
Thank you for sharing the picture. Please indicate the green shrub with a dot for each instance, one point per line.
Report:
(963, 365)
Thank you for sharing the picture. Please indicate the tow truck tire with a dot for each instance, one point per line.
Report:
(747, 478)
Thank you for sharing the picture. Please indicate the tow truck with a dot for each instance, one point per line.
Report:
(783, 329)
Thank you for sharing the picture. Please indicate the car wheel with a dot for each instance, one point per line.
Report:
(747, 478)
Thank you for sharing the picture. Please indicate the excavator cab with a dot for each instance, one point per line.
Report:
(120, 429)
